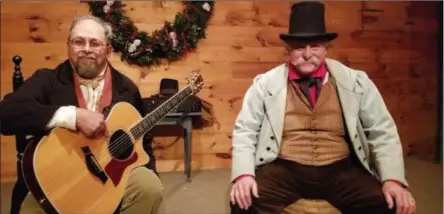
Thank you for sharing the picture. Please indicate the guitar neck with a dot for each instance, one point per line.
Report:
(151, 119)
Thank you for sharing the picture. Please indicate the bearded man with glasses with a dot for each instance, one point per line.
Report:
(73, 96)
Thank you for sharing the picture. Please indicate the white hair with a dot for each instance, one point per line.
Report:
(328, 44)
(106, 26)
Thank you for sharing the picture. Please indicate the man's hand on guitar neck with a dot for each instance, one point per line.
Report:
(92, 124)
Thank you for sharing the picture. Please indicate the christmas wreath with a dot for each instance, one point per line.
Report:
(171, 42)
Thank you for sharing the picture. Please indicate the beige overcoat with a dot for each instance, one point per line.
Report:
(371, 128)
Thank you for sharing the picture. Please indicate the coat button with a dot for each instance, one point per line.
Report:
(364, 159)
(272, 137)
(268, 148)
(360, 148)
(261, 159)
(356, 136)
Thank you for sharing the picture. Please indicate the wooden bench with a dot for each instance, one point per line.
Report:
(309, 206)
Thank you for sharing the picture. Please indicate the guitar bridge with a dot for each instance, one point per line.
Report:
(93, 165)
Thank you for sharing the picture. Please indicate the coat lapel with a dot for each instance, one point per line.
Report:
(65, 93)
(345, 81)
(275, 101)
(118, 89)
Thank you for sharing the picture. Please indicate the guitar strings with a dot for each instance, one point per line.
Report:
(117, 149)
(123, 139)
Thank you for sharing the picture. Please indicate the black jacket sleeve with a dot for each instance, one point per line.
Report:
(26, 111)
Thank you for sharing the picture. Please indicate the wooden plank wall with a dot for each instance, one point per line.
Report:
(395, 42)
(440, 150)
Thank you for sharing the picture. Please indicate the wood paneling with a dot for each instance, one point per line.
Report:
(394, 42)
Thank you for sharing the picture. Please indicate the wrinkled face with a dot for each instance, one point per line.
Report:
(88, 48)
(307, 56)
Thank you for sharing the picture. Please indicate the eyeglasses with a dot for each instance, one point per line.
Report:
(80, 43)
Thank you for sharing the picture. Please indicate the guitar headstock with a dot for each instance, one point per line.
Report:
(195, 81)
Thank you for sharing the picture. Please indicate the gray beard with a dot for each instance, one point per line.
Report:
(88, 72)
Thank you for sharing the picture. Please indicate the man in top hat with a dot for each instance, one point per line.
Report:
(315, 128)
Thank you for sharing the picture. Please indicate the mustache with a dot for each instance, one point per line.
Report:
(87, 57)
(313, 61)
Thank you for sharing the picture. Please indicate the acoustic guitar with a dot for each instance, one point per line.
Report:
(67, 172)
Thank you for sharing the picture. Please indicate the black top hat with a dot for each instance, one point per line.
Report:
(307, 23)
(168, 86)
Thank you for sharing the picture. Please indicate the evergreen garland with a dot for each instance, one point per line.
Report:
(171, 42)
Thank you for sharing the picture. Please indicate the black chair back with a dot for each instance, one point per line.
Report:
(20, 190)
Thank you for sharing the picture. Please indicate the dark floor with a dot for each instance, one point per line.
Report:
(208, 192)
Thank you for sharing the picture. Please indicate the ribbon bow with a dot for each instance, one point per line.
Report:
(93, 83)
(306, 83)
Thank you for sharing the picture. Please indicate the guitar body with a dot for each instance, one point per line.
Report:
(69, 173)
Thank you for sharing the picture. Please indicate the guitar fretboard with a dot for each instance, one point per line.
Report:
(150, 120)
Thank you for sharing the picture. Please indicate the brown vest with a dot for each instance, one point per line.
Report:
(313, 136)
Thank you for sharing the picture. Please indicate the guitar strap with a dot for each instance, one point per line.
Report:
(105, 99)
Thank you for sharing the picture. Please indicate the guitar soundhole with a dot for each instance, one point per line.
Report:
(120, 145)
